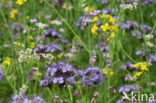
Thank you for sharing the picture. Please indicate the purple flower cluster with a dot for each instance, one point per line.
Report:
(91, 75)
(59, 73)
(145, 2)
(58, 1)
(121, 101)
(104, 48)
(21, 98)
(52, 33)
(127, 65)
(52, 47)
(128, 88)
(132, 25)
(1, 74)
(86, 17)
(82, 22)
(151, 102)
(103, 1)
(16, 26)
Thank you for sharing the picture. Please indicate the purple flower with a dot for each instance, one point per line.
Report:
(103, 1)
(58, 1)
(37, 99)
(82, 22)
(52, 47)
(145, 2)
(151, 102)
(1, 74)
(52, 33)
(64, 41)
(121, 101)
(76, 94)
(33, 20)
(46, 82)
(60, 73)
(21, 98)
(96, 95)
(152, 58)
(92, 75)
(128, 88)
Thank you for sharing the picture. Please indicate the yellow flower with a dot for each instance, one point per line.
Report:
(112, 35)
(13, 12)
(27, 17)
(135, 65)
(111, 74)
(7, 61)
(30, 37)
(89, 9)
(105, 27)
(32, 45)
(64, 5)
(3, 66)
(20, 2)
(112, 20)
(94, 29)
(144, 67)
(104, 16)
(104, 71)
(27, 26)
(18, 44)
(138, 74)
(38, 74)
(114, 27)
(95, 19)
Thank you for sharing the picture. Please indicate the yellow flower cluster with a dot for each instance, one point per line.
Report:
(142, 65)
(108, 71)
(32, 45)
(20, 2)
(13, 13)
(6, 62)
(30, 37)
(64, 6)
(94, 29)
(138, 74)
(89, 9)
(38, 74)
(108, 25)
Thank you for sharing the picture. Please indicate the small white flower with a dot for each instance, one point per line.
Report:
(61, 30)
(148, 37)
(150, 44)
(41, 25)
(29, 50)
(15, 42)
(56, 22)
(70, 7)
(69, 55)
(48, 56)
(135, 4)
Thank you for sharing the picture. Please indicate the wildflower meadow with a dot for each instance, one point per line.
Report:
(77, 51)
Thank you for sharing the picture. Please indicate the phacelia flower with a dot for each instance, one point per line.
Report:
(128, 88)
(22, 98)
(92, 75)
(60, 73)
(52, 47)
(1, 74)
